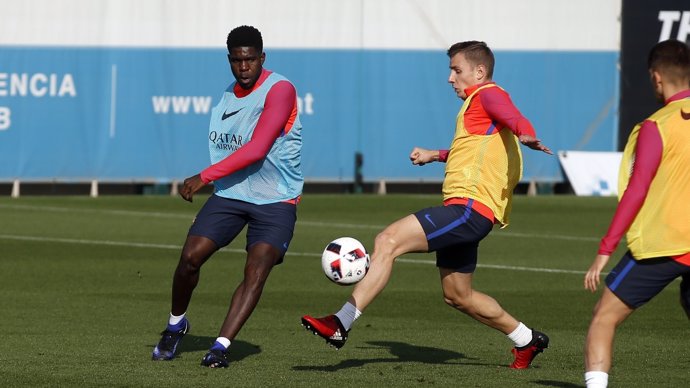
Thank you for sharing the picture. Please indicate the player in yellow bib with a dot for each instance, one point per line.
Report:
(654, 209)
(483, 165)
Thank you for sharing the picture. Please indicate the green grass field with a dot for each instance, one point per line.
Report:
(86, 289)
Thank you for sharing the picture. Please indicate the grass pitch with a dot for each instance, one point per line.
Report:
(86, 289)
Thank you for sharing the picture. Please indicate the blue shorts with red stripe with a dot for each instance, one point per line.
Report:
(636, 282)
(454, 233)
(222, 219)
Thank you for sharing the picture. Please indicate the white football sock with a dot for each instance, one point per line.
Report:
(596, 379)
(175, 319)
(348, 315)
(223, 341)
(521, 336)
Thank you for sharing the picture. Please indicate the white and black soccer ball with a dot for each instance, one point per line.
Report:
(345, 261)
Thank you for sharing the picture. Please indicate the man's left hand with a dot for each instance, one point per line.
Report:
(534, 143)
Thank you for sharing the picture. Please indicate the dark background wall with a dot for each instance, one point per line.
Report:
(644, 23)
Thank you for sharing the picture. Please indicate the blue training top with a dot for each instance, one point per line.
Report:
(278, 176)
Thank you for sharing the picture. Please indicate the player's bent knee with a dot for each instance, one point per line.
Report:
(189, 263)
(384, 239)
(255, 283)
(187, 268)
(386, 243)
(458, 303)
(257, 276)
(606, 317)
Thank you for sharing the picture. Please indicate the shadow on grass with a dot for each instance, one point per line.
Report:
(401, 352)
(553, 383)
(193, 343)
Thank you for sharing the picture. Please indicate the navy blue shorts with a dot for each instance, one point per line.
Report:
(222, 219)
(636, 282)
(454, 233)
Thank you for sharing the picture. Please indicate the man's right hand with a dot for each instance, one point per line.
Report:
(191, 185)
(421, 156)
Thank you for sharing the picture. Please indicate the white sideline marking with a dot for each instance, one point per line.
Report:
(190, 217)
(131, 244)
(98, 211)
(495, 266)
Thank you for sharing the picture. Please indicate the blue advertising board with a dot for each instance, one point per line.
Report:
(128, 114)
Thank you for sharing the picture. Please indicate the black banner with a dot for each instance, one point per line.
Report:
(645, 23)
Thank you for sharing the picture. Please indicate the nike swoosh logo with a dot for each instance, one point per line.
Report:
(428, 218)
(226, 115)
(684, 115)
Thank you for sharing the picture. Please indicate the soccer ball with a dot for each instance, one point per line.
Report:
(345, 261)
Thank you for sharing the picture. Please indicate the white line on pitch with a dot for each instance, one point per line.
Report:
(190, 216)
(495, 266)
(234, 250)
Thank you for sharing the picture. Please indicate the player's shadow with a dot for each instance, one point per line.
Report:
(401, 352)
(560, 384)
(193, 343)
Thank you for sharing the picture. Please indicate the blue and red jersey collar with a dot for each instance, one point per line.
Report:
(473, 88)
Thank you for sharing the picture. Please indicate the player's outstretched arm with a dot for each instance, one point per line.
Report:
(534, 143)
(500, 108)
(421, 156)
